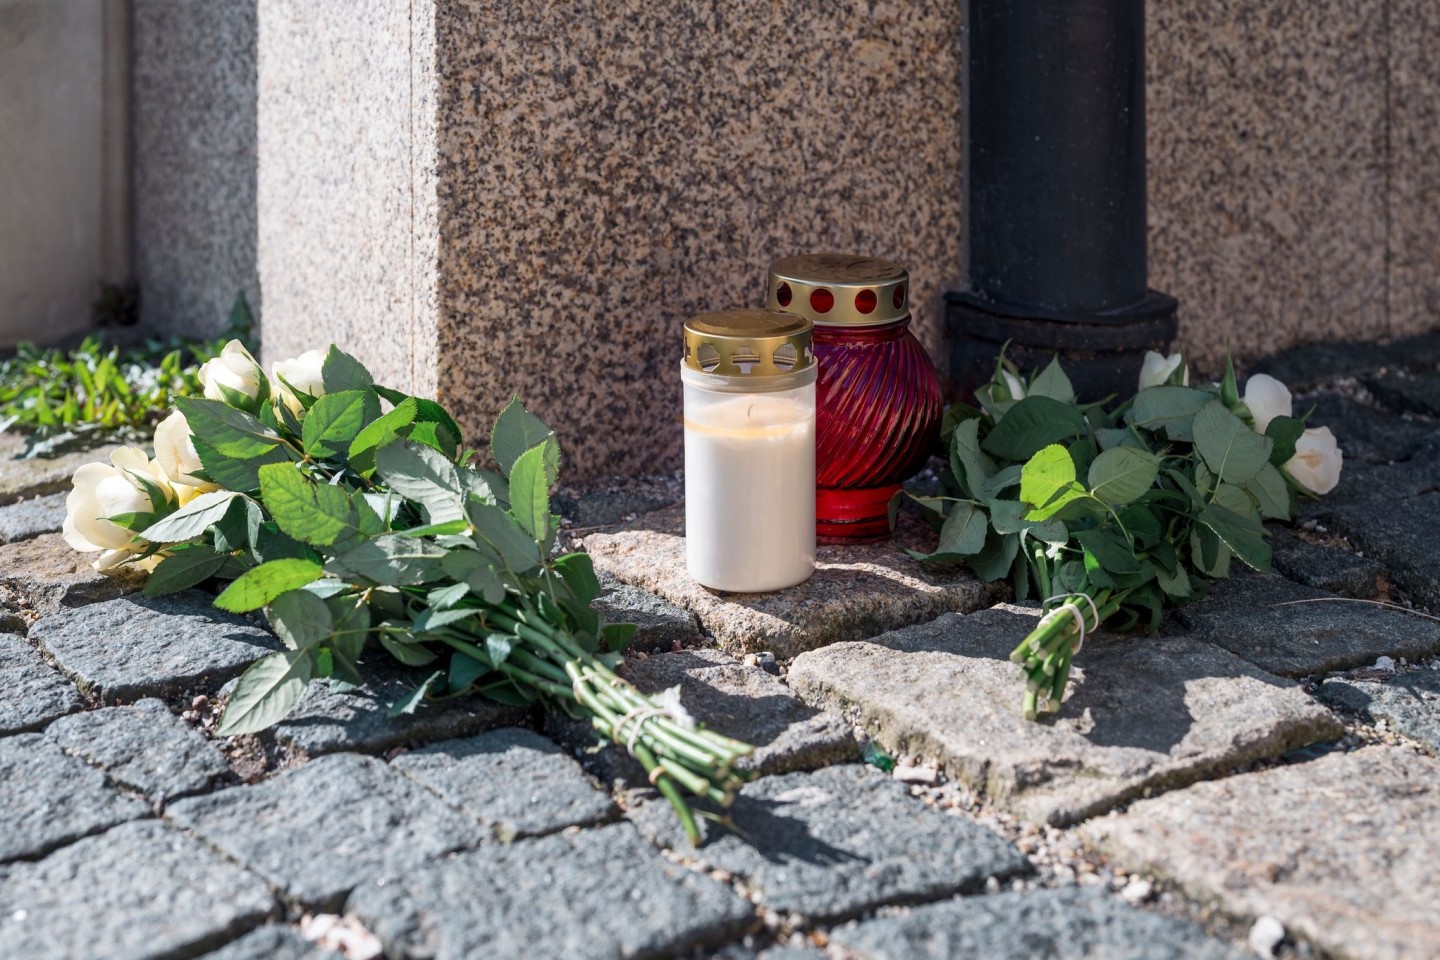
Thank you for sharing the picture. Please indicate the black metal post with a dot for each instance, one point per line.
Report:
(1054, 196)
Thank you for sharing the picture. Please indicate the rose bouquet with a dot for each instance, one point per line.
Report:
(363, 533)
(1108, 516)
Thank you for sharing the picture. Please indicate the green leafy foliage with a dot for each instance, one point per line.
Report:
(1105, 514)
(96, 392)
(367, 534)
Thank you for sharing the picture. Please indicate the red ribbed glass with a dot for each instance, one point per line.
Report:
(878, 415)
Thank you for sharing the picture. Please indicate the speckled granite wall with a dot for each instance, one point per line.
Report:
(1414, 276)
(194, 147)
(346, 184)
(485, 198)
(1267, 175)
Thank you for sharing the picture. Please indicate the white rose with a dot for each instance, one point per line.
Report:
(234, 371)
(1267, 399)
(303, 373)
(175, 453)
(1014, 385)
(1317, 460)
(1157, 369)
(104, 490)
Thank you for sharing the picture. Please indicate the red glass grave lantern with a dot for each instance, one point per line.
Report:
(878, 403)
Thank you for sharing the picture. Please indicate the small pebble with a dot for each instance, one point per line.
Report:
(768, 663)
(200, 702)
(1266, 935)
(1384, 663)
(1137, 891)
(909, 774)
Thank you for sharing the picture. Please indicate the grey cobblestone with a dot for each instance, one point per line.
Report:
(1257, 617)
(1325, 568)
(318, 830)
(660, 624)
(606, 893)
(143, 891)
(1143, 713)
(272, 943)
(34, 693)
(1408, 702)
(838, 842)
(46, 575)
(515, 781)
(1341, 849)
(25, 519)
(135, 647)
(38, 476)
(50, 798)
(1367, 434)
(144, 747)
(1419, 393)
(1398, 532)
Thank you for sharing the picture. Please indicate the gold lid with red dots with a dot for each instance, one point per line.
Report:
(751, 343)
(839, 290)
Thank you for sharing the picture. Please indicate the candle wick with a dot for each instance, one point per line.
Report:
(750, 411)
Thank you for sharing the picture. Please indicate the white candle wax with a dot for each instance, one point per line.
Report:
(750, 490)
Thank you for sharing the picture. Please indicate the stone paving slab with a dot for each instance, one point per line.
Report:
(1330, 569)
(1341, 850)
(1143, 713)
(1417, 393)
(25, 519)
(1399, 533)
(49, 798)
(857, 591)
(144, 747)
(46, 575)
(318, 830)
(1408, 702)
(135, 647)
(1065, 924)
(605, 893)
(143, 891)
(1367, 434)
(732, 698)
(838, 842)
(1304, 367)
(661, 625)
(33, 692)
(513, 780)
(328, 721)
(1249, 615)
(272, 943)
(35, 477)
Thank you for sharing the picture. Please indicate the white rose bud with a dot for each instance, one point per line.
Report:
(303, 373)
(1267, 398)
(104, 490)
(1013, 385)
(1317, 461)
(1157, 369)
(175, 453)
(232, 376)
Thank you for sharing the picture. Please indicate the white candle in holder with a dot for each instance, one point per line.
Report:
(749, 380)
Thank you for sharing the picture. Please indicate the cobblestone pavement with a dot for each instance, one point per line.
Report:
(1260, 778)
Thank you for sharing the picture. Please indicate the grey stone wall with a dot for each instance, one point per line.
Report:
(194, 152)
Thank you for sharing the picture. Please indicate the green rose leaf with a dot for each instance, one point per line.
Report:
(1053, 383)
(414, 698)
(395, 560)
(379, 433)
(1271, 492)
(1168, 408)
(1244, 537)
(425, 476)
(300, 619)
(1047, 483)
(1032, 424)
(342, 373)
(1231, 449)
(226, 430)
(516, 431)
(310, 512)
(241, 475)
(266, 692)
(191, 520)
(497, 534)
(1123, 474)
(1284, 431)
(335, 420)
(410, 654)
(995, 560)
(259, 585)
(969, 465)
(465, 670)
(963, 533)
(578, 572)
(530, 490)
(183, 570)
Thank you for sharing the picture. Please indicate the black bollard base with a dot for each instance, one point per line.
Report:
(1102, 354)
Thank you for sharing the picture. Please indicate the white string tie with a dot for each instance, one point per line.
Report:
(1072, 608)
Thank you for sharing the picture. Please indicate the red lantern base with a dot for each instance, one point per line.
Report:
(854, 516)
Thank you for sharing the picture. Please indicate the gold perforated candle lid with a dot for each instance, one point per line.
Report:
(837, 289)
(748, 343)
